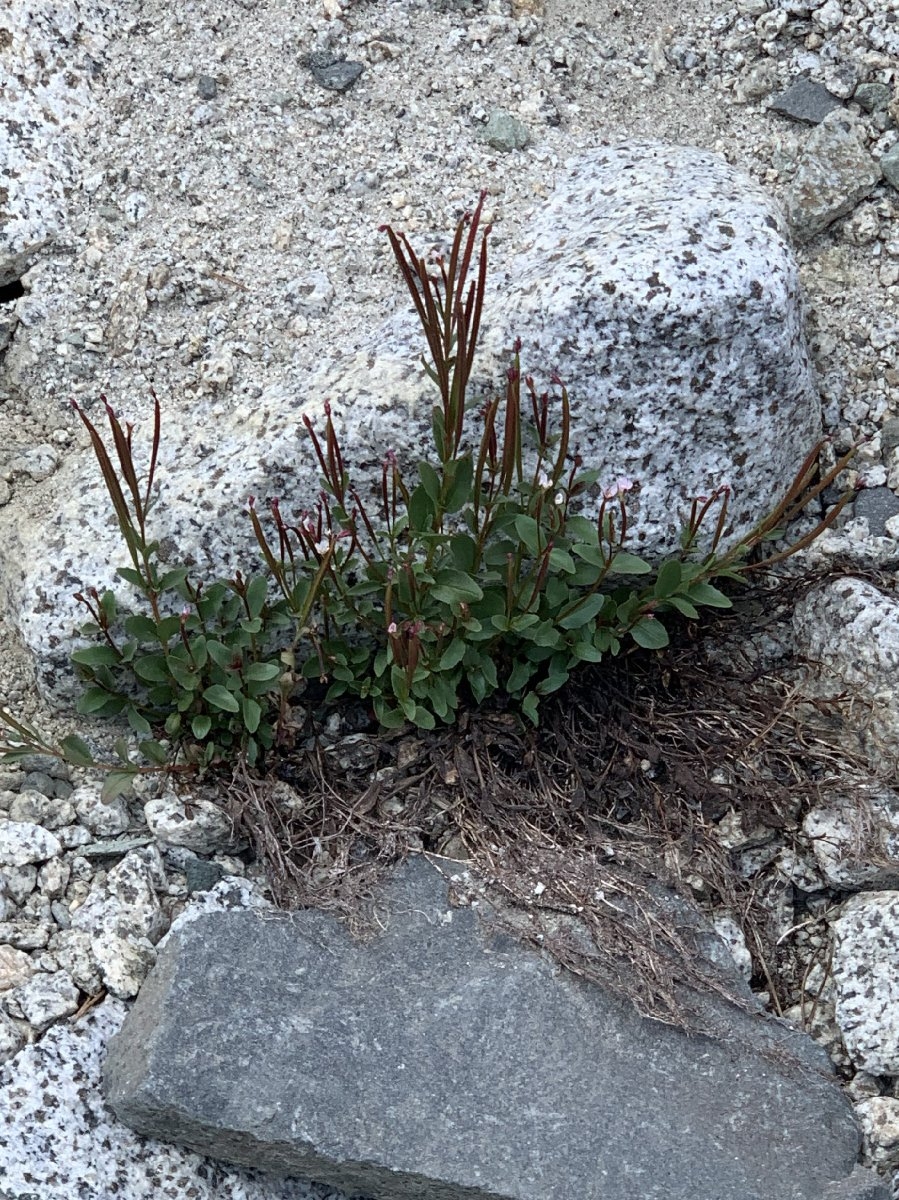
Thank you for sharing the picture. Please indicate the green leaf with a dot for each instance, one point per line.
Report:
(460, 485)
(594, 555)
(561, 560)
(96, 656)
(141, 627)
(439, 436)
(183, 675)
(582, 530)
(133, 577)
(529, 532)
(650, 633)
(668, 579)
(173, 724)
(200, 726)
(162, 696)
(138, 721)
(252, 627)
(586, 652)
(588, 611)
(605, 641)
(252, 714)
(587, 478)
(529, 706)
(452, 655)
(704, 593)
(263, 672)
(222, 656)
(76, 751)
(152, 668)
(99, 702)
(422, 718)
(478, 685)
(683, 606)
(430, 481)
(629, 564)
(168, 628)
(464, 550)
(454, 587)
(220, 697)
(552, 683)
(128, 650)
(488, 670)
(154, 752)
(389, 718)
(115, 784)
(198, 651)
(524, 621)
(421, 510)
(173, 580)
(544, 634)
(519, 676)
(398, 683)
(557, 592)
(257, 592)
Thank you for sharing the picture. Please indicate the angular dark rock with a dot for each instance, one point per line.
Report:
(805, 101)
(834, 173)
(444, 1060)
(332, 72)
(207, 87)
(876, 505)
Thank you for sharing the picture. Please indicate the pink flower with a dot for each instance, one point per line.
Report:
(622, 484)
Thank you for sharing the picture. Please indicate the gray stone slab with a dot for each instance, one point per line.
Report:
(861, 1185)
(444, 1060)
(805, 101)
(876, 505)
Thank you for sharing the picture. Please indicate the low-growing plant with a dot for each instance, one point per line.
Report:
(480, 571)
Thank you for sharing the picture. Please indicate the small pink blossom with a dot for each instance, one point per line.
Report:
(391, 628)
(621, 485)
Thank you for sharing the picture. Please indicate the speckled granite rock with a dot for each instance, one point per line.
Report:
(848, 633)
(46, 52)
(854, 835)
(58, 1141)
(879, 1117)
(866, 978)
(191, 822)
(659, 283)
(353, 1055)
